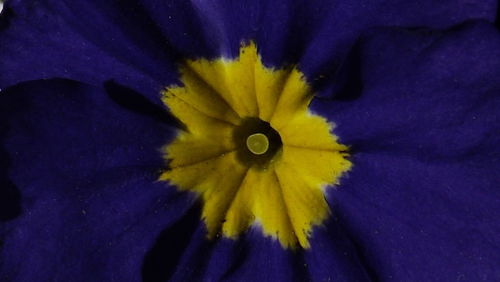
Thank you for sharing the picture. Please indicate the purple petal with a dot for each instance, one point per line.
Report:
(137, 42)
(422, 200)
(87, 171)
(91, 42)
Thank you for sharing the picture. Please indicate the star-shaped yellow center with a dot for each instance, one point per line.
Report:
(251, 150)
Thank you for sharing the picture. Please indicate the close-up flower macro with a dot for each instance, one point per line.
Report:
(249, 140)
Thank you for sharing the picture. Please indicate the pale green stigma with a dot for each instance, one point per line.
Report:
(258, 143)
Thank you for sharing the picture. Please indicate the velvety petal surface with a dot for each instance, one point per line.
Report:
(421, 114)
(333, 256)
(251, 258)
(136, 42)
(81, 159)
(85, 168)
(343, 21)
(87, 41)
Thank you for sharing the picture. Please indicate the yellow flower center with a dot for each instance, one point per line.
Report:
(251, 150)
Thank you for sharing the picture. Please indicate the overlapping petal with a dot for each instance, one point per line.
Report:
(90, 41)
(136, 42)
(86, 169)
(421, 202)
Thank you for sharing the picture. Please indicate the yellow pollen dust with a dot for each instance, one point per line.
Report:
(258, 143)
(284, 198)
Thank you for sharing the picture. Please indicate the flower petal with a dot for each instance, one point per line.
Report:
(206, 29)
(430, 95)
(414, 220)
(87, 172)
(319, 34)
(94, 41)
(91, 41)
(334, 255)
(422, 199)
(231, 260)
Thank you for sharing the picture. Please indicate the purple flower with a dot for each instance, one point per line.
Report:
(411, 86)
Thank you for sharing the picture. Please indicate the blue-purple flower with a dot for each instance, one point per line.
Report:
(411, 87)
